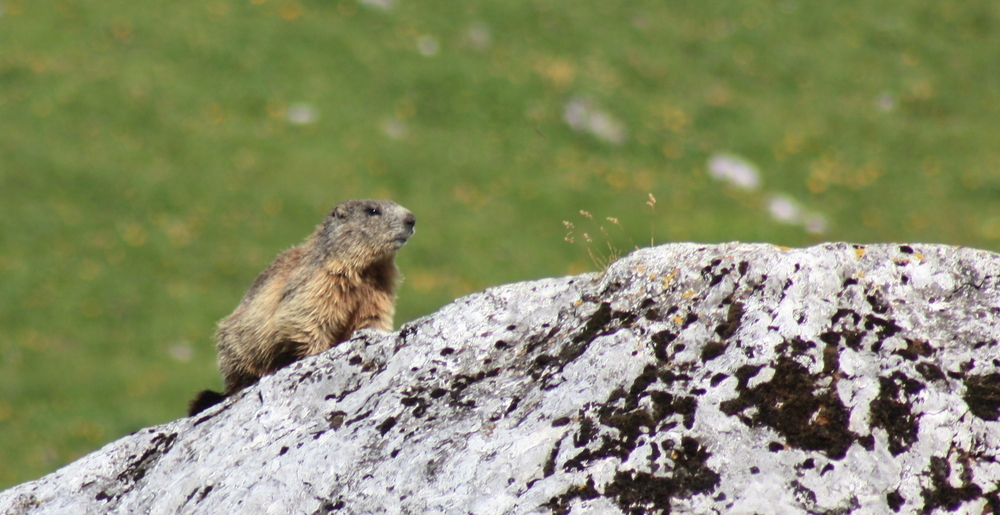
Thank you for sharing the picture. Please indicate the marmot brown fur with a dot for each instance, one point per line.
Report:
(315, 295)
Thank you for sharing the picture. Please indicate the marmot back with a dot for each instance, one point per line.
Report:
(315, 295)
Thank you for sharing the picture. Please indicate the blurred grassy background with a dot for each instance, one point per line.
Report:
(156, 155)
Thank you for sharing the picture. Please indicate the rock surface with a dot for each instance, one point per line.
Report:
(687, 378)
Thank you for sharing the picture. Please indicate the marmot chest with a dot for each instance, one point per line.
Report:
(342, 305)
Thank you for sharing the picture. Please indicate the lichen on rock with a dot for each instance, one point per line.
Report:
(736, 378)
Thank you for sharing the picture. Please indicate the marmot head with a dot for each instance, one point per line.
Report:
(363, 231)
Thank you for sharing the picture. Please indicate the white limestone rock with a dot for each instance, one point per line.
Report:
(687, 378)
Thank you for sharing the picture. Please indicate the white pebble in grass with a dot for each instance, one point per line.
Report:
(886, 102)
(816, 223)
(785, 209)
(385, 5)
(301, 114)
(735, 170)
(394, 128)
(428, 46)
(479, 35)
(181, 351)
(582, 116)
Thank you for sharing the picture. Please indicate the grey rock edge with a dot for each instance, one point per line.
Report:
(687, 378)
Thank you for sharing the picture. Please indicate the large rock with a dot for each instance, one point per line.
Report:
(686, 378)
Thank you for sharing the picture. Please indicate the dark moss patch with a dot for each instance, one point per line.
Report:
(803, 495)
(808, 416)
(830, 338)
(550, 463)
(718, 378)
(463, 381)
(831, 359)
(561, 421)
(538, 340)
(585, 433)
(914, 349)
(894, 500)
(603, 321)
(513, 405)
(660, 342)
(359, 417)
(597, 323)
(852, 339)
(745, 373)
(795, 347)
(982, 394)
(544, 361)
(630, 424)
(329, 506)
(733, 318)
(138, 467)
(419, 405)
(920, 347)
(842, 313)
(891, 411)
(690, 472)
(623, 412)
(204, 493)
(159, 445)
(386, 425)
(639, 385)
(640, 492)
(560, 503)
(984, 343)
(930, 371)
(877, 301)
(715, 276)
(885, 328)
(686, 406)
(942, 494)
(992, 502)
(609, 448)
(712, 350)
(669, 377)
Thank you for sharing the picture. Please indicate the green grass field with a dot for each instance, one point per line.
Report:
(156, 155)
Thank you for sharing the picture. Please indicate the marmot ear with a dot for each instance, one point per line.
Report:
(339, 211)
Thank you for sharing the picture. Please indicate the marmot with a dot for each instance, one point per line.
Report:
(313, 296)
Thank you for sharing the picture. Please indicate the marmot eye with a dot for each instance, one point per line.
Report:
(374, 211)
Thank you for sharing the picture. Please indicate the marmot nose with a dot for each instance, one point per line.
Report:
(409, 221)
